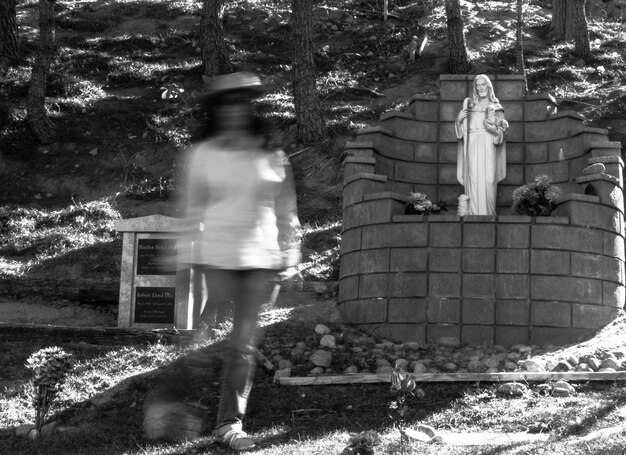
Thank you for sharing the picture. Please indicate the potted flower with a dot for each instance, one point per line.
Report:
(536, 198)
(419, 204)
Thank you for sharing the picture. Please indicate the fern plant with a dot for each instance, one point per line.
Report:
(536, 198)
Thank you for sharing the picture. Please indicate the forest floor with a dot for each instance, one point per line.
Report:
(118, 153)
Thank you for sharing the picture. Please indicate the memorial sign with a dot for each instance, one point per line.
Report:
(155, 305)
(154, 292)
(151, 254)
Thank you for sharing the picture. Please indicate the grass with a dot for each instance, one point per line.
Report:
(104, 92)
(99, 408)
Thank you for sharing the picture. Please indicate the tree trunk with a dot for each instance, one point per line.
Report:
(215, 59)
(41, 125)
(519, 43)
(309, 119)
(459, 62)
(9, 43)
(563, 19)
(580, 30)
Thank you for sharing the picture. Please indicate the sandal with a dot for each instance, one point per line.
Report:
(232, 436)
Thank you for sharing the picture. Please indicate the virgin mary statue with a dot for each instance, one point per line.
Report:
(481, 157)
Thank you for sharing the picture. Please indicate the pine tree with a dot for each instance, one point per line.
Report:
(459, 62)
(309, 119)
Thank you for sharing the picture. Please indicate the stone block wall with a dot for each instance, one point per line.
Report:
(486, 280)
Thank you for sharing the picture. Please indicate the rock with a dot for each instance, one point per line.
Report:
(33, 434)
(562, 389)
(550, 364)
(492, 362)
(450, 367)
(351, 370)
(594, 363)
(449, 342)
(476, 366)
(382, 363)
(48, 429)
(513, 356)
(419, 368)
(316, 371)
(521, 348)
(607, 370)
(321, 358)
(610, 363)
(23, 430)
(423, 433)
(510, 366)
(492, 370)
(328, 341)
(511, 389)
(322, 329)
(562, 366)
(277, 358)
(583, 367)
(572, 360)
(532, 366)
(401, 364)
(618, 354)
(441, 360)
(284, 364)
(412, 346)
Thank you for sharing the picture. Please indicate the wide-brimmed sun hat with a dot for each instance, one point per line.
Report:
(230, 83)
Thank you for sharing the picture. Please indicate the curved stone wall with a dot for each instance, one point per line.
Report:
(505, 279)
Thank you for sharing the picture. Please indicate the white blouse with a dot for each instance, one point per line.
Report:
(243, 198)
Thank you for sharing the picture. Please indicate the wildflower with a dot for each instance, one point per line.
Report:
(50, 367)
(362, 443)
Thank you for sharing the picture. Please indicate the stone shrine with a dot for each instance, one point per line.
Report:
(503, 279)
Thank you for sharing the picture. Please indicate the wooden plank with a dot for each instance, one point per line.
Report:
(93, 335)
(373, 378)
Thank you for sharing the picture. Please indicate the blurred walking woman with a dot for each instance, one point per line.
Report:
(241, 195)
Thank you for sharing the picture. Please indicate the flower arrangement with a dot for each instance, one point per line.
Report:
(419, 204)
(49, 367)
(362, 443)
(536, 198)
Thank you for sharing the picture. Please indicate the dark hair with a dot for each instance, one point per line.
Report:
(208, 124)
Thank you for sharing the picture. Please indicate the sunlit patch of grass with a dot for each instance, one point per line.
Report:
(130, 70)
(322, 240)
(89, 377)
(77, 93)
(277, 108)
(44, 234)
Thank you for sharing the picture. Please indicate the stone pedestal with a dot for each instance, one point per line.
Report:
(154, 291)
